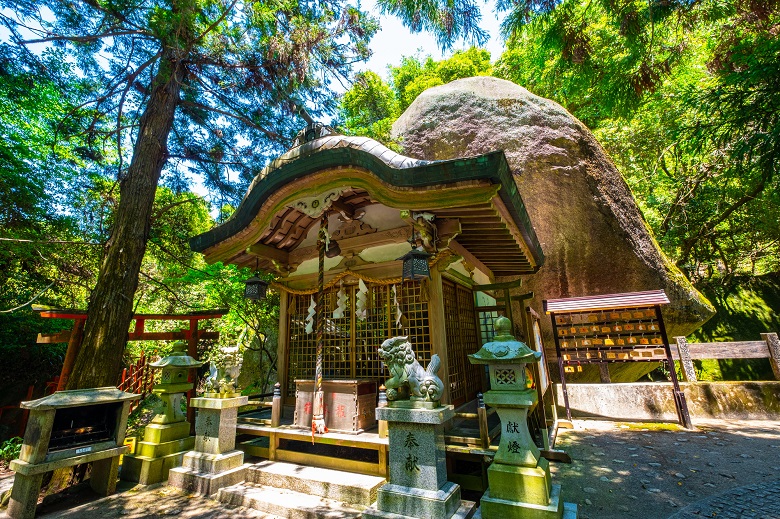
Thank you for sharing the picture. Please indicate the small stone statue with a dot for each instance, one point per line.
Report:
(223, 375)
(409, 380)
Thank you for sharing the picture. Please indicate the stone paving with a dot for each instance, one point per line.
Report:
(655, 471)
(759, 501)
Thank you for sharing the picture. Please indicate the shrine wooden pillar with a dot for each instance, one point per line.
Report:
(74, 345)
(282, 344)
(438, 329)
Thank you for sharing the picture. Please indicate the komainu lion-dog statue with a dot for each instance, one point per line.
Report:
(409, 381)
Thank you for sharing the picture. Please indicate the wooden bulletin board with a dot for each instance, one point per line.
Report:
(612, 328)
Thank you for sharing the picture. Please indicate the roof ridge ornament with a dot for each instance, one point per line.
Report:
(312, 131)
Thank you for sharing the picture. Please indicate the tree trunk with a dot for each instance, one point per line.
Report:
(111, 303)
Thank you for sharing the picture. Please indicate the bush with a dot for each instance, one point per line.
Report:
(10, 449)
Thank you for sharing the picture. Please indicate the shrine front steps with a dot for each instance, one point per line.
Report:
(295, 491)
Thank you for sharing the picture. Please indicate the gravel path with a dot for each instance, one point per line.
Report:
(656, 470)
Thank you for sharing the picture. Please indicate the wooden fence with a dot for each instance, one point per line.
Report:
(687, 352)
(138, 379)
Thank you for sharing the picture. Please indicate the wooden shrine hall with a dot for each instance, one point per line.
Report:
(374, 206)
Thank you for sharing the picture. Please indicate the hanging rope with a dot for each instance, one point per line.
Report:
(341, 275)
(318, 411)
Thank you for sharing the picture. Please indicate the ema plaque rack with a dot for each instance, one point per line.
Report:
(612, 328)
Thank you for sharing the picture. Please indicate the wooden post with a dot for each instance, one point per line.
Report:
(284, 340)
(688, 371)
(484, 431)
(74, 345)
(438, 329)
(773, 344)
(276, 407)
(382, 402)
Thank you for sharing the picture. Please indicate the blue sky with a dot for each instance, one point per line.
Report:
(394, 40)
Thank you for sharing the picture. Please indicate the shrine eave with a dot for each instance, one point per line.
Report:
(388, 167)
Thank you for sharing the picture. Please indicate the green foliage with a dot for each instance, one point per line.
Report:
(746, 307)
(10, 449)
(598, 60)
(447, 20)
(412, 77)
(371, 106)
(685, 99)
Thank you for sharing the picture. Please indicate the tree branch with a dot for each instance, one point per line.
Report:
(28, 302)
(64, 242)
(166, 287)
(239, 117)
(82, 39)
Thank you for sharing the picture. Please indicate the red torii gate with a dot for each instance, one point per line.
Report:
(74, 336)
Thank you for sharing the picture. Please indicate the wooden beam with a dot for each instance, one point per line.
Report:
(498, 286)
(170, 336)
(460, 250)
(356, 244)
(69, 313)
(54, 338)
(74, 345)
(509, 221)
(479, 226)
(266, 251)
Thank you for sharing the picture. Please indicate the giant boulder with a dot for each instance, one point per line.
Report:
(592, 233)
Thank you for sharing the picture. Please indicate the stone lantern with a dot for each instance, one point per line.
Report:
(519, 482)
(167, 438)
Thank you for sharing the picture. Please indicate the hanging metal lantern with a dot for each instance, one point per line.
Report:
(415, 265)
(255, 288)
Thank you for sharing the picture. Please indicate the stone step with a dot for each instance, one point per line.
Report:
(358, 489)
(286, 503)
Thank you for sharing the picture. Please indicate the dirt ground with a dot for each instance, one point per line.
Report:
(619, 470)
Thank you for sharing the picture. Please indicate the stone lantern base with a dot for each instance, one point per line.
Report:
(215, 463)
(519, 481)
(165, 441)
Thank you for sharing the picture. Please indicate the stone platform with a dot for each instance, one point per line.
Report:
(299, 492)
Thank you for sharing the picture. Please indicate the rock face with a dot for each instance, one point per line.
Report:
(592, 233)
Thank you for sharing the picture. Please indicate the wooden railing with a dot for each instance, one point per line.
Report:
(687, 352)
(138, 379)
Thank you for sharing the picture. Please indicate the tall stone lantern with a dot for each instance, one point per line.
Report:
(167, 438)
(519, 482)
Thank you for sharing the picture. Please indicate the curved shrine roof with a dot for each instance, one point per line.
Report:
(373, 171)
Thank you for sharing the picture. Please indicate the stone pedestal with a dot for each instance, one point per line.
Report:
(418, 484)
(215, 463)
(63, 415)
(519, 483)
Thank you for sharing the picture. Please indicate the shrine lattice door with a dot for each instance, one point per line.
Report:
(350, 344)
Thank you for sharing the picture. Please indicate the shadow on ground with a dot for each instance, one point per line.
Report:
(623, 470)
